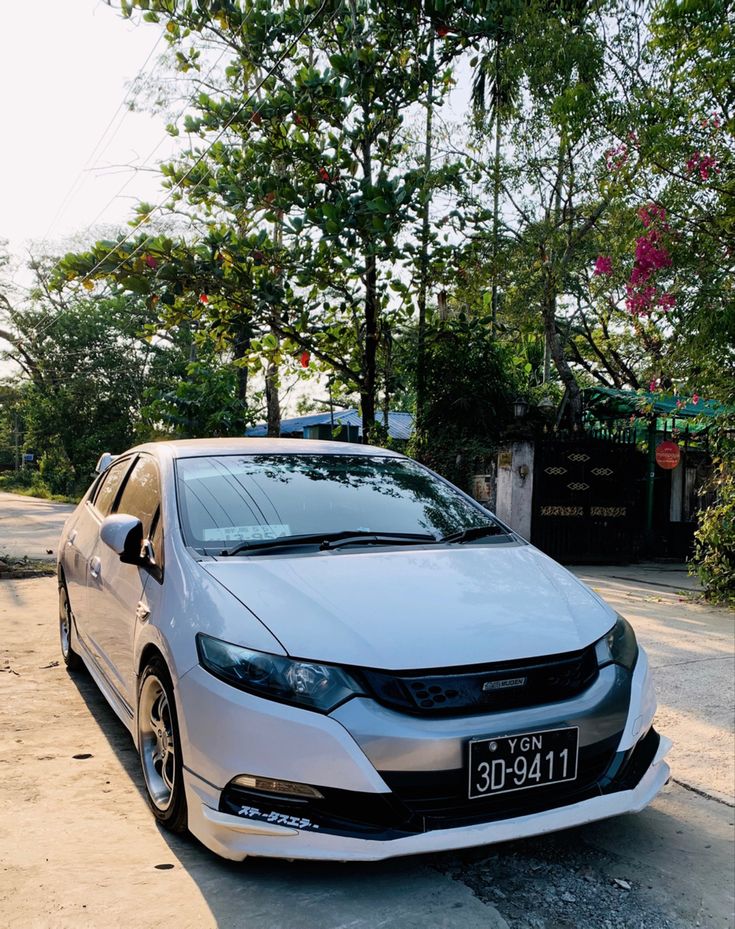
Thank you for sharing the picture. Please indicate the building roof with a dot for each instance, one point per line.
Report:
(400, 425)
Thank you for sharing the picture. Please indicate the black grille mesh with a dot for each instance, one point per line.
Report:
(485, 688)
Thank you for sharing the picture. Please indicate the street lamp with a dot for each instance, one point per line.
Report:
(520, 407)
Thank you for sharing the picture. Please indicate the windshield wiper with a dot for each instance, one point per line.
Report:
(474, 532)
(328, 540)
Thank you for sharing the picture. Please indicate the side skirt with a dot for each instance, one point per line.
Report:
(121, 707)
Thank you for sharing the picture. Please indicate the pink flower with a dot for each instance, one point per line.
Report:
(652, 213)
(695, 399)
(652, 386)
(667, 301)
(603, 265)
(615, 158)
(703, 165)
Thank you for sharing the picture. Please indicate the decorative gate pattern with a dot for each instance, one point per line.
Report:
(587, 499)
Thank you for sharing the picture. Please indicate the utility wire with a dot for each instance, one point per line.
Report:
(178, 185)
(152, 152)
(88, 166)
(197, 162)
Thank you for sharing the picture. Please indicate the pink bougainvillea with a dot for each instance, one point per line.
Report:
(651, 256)
(652, 213)
(603, 265)
(616, 157)
(703, 165)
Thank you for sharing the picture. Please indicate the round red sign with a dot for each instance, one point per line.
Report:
(668, 455)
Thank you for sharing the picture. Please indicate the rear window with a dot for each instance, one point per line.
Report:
(110, 485)
(242, 498)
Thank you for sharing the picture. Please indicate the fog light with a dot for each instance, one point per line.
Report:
(272, 786)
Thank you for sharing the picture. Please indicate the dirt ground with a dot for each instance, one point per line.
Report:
(78, 847)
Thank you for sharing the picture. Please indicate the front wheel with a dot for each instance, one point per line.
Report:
(71, 659)
(159, 746)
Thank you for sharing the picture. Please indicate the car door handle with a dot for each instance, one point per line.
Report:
(72, 536)
(94, 567)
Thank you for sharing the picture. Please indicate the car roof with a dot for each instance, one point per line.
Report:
(196, 448)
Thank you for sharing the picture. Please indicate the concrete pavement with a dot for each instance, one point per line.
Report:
(691, 647)
(30, 527)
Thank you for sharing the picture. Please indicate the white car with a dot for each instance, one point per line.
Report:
(325, 650)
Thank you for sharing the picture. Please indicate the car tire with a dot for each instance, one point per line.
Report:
(159, 747)
(71, 659)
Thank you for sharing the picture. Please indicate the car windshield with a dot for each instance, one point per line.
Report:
(230, 499)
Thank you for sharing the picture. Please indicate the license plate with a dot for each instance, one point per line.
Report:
(518, 762)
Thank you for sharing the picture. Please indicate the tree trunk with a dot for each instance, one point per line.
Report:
(367, 391)
(424, 259)
(555, 265)
(272, 400)
(556, 350)
(370, 350)
(240, 350)
(496, 191)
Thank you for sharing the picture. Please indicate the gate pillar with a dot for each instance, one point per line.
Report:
(514, 504)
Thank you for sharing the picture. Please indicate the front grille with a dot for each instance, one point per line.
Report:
(485, 688)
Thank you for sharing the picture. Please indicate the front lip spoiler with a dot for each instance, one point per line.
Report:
(235, 838)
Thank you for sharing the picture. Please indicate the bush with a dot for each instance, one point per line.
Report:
(714, 541)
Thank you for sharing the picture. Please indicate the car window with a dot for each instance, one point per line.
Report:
(233, 498)
(107, 491)
(141, 495)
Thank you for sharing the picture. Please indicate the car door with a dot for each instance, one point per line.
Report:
(82, 540)
(122, 594)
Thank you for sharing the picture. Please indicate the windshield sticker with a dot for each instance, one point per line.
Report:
(280, 819)
(259, 533)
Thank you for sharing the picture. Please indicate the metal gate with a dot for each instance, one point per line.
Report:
(587, 498)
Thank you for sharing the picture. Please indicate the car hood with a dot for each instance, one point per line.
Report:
(416, 608)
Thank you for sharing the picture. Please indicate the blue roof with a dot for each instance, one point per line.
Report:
(400, 425)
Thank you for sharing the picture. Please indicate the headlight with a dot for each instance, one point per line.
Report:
(618, 646)
(306, 683)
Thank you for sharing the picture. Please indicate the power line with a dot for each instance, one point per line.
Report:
(122, 106)
(152, 152)
(200, 158)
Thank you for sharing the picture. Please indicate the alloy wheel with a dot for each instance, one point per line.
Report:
(157, 742)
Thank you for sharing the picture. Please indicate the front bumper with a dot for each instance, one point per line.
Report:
(236, 838)
(389, 783)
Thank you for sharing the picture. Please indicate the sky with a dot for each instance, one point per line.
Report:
(64, 73)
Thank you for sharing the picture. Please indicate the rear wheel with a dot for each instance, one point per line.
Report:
(71, 658)
(159, 746)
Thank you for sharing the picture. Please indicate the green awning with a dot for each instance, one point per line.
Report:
(611, 403)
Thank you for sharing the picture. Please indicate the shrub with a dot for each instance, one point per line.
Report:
(714, 541)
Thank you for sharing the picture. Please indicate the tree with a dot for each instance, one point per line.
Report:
(95, 375)
(467, 405)
(299, 185)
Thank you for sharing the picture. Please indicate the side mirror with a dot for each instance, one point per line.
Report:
(124, 535)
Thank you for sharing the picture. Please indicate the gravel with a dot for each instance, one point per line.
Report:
(554, 883)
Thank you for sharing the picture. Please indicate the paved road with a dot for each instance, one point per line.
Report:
(30, 526)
